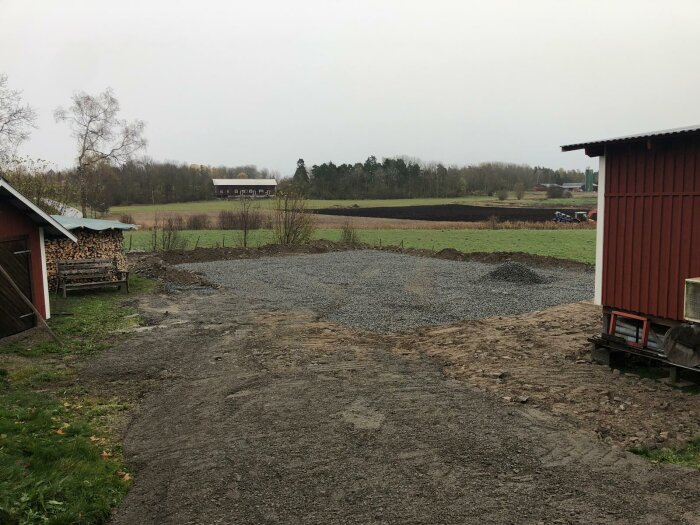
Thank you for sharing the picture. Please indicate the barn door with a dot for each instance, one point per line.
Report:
(15, 314)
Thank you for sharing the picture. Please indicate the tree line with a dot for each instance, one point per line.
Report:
(107, 173)
(151, 182)
(407, 178)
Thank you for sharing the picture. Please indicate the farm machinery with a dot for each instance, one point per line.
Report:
(578, 217)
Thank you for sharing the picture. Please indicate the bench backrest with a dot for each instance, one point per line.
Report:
(86, 269)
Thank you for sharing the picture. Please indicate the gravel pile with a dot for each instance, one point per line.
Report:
(513, 272)
(390, 292)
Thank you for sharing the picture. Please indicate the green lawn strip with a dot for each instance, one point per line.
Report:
(92, 318)
(58, 461)
(688, 455)
(51, 461)
(531, 199)
(577, 245)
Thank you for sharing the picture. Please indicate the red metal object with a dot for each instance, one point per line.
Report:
(645, 326)
(652, 225)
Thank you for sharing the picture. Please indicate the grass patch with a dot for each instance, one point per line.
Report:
(92, 318)
(58, 461)
(688, 456)
(576, 245)
(53, 466)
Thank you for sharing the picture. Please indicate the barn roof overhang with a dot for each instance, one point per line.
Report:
(244, 182)
(596, 148)
(52, 228)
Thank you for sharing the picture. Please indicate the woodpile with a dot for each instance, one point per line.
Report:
(106, 244)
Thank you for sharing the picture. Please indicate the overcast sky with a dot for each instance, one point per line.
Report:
(266, 82)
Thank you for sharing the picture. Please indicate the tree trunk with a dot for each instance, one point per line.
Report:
(83, 190)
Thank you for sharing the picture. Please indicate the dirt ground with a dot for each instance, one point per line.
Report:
(254, 414)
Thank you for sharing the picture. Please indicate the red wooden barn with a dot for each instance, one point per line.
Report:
(23, 228)
(648, 243)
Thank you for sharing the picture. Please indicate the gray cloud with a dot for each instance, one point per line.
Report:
(271, 81)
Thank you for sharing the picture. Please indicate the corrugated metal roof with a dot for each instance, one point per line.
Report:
(639, 136)
(244, 182)
(73, 223)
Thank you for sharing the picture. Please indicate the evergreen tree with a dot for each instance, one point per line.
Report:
(301, 176)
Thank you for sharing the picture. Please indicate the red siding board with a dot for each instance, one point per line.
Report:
(652, 226)
(14, 223)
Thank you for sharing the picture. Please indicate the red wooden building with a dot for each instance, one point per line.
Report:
(23, 228)
(253, 188)
(648, 240)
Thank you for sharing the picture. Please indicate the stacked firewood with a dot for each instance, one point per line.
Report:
(106, 244)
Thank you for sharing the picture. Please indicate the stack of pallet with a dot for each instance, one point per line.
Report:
(107, 244)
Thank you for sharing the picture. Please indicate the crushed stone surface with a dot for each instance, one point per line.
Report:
(513, 272)
(389, 292)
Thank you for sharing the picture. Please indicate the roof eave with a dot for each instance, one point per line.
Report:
(44, 217)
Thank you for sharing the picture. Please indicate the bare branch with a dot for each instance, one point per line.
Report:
(101, 136)
(16, 119)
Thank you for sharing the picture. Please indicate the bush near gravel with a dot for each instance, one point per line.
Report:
(576, 245)
(58, 461)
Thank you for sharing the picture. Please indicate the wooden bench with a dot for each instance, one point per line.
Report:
(84, 274)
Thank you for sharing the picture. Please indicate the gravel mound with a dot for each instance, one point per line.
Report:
(513, 272)
(389, 292)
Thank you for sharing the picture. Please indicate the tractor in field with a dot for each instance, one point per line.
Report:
(579, 216)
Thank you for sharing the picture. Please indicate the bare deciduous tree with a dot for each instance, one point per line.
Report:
(100, 135)
(291, 223)
(249, 218)
(16, 119)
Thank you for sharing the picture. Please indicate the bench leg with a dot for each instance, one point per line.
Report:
(64, 291)
(127, 286)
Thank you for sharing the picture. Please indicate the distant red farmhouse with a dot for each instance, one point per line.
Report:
(254, 188)
(648, 243)
(23, 227)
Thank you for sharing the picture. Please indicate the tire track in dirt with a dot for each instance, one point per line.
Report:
(252, 415)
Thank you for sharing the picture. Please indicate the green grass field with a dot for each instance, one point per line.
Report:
(577, 245)
(59, 459)
(531, 199)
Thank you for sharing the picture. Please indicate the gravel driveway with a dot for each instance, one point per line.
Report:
(389, 292)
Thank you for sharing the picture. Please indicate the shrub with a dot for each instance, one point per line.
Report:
(126, 219)
(519, 190)
(555, 192)
(567, 195)
(502, 195)
(291, 222)
(165, 234)
(198, 222)
(348, 234)
(235, 220)
(227, 220)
